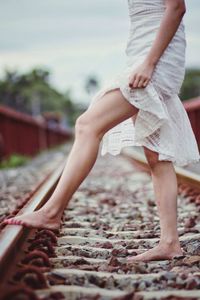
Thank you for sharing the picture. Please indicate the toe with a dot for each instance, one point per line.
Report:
(5, 221)
(10, 221)
(18, 222)
(14, 221)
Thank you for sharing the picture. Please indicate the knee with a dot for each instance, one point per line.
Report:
(84, 127)
(152, 158)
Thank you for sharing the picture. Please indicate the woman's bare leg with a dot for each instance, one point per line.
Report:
(165, 188)
(90, 127)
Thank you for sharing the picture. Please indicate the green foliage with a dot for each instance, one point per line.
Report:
(191, 84)
(14, 161)
(33, 93)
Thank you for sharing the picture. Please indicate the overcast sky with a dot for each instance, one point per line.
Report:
(75, 38)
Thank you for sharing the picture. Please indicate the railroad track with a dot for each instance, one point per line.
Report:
(111, 216)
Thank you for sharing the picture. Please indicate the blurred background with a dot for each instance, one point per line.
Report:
(54, 55)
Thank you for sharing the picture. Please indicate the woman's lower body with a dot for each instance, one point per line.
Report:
(91, 126)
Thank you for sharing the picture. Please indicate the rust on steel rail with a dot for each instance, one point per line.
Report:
(12, 236)
(183, 175)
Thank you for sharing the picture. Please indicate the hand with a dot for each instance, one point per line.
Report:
(141, 76)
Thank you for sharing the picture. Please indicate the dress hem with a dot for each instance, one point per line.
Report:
(182, 163)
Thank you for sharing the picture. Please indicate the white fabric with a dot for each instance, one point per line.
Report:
(162, 123)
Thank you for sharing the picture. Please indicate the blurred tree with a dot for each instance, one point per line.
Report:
(32, 93)
(91, 84)
(191, 84)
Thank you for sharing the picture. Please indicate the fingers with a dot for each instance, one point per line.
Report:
(144, 83)
(131, 80)
(141, 83)
(138, 81)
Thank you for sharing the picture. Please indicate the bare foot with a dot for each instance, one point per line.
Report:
(37, 219)
(160, 252)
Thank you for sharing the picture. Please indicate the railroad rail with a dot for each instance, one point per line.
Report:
(111, 216)
(183, 175)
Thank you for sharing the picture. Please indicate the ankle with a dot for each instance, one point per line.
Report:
(170, 242)
(50, 213)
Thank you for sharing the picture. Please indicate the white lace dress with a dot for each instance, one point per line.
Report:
(162, 124)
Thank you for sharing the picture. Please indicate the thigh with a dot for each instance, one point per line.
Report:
(109, 111)
(151, 156)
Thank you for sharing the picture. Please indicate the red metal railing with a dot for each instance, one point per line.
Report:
(21, 133)
(192, 107)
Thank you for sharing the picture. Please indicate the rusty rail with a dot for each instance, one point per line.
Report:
(12, 237)
(183, 175)
(192, 108)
